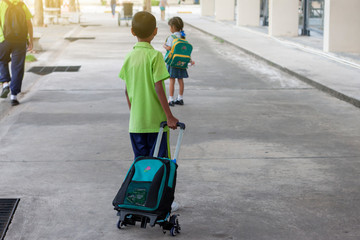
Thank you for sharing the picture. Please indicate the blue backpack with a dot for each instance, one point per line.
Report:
(180, 54)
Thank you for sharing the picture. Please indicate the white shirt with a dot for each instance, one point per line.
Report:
(170, 39)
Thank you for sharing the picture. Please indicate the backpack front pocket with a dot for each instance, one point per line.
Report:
(144, 189)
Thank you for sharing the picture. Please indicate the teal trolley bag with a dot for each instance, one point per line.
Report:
(148, 190)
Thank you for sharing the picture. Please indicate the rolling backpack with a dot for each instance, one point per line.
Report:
(148, 190)
(180, 54)
(15, 25)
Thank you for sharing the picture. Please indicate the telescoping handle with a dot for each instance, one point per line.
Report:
(178, 144)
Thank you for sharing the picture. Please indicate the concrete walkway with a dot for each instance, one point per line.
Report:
(259, 160)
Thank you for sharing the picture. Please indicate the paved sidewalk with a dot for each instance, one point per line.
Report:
(260, 159)
(334, 74)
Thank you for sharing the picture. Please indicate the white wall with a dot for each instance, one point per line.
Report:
(342, 26)
(284, 17)
(248, 13)
(207, 7)
(225, 10)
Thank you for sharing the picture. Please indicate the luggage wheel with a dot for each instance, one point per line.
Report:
(127, 221)
(120, 224)
(172, 225)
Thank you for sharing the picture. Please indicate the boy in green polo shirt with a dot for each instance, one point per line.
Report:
(144, 72)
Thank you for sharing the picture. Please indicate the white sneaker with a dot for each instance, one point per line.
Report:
(174, 207)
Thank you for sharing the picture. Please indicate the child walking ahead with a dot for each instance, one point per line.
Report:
(176, 28)
(144, 72)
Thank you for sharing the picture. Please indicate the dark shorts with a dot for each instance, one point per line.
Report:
(143, 144)
(177, 72)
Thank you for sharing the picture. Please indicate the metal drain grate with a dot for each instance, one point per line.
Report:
(43, 70)
(72, 39)
(90, 25)
(7, 210)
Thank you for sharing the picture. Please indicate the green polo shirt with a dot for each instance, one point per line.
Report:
(142, 68)
(3, 8)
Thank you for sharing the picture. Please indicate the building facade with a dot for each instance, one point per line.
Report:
(338, 20)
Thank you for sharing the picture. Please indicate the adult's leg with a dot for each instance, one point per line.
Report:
(17, 67)
(5, 51)
(113, 6)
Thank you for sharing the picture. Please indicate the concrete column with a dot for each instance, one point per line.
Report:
(248, 13)
(342, 26)
(284, 18)
(225, 10)
(147, 5)
(207, 7)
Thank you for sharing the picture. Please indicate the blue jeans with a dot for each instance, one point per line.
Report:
(14, 52)
(113, 7)
(143, 144)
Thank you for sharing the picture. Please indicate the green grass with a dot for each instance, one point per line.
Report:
(30, 58)
(155, 3)
(219, 40)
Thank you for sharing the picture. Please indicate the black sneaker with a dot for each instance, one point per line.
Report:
(179, 102)
(171, 103)
(14, 102)
(5, 91)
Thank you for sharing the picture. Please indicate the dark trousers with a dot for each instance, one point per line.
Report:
(144, 144)
(14, 52)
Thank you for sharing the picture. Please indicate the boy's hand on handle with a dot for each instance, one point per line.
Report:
(172, 122)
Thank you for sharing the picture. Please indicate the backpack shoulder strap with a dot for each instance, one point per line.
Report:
(20, 3)
(175, 39)
(171, 36)
(8, 2)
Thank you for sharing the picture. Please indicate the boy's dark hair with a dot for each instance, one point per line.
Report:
(176, 22)
(143, 24)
